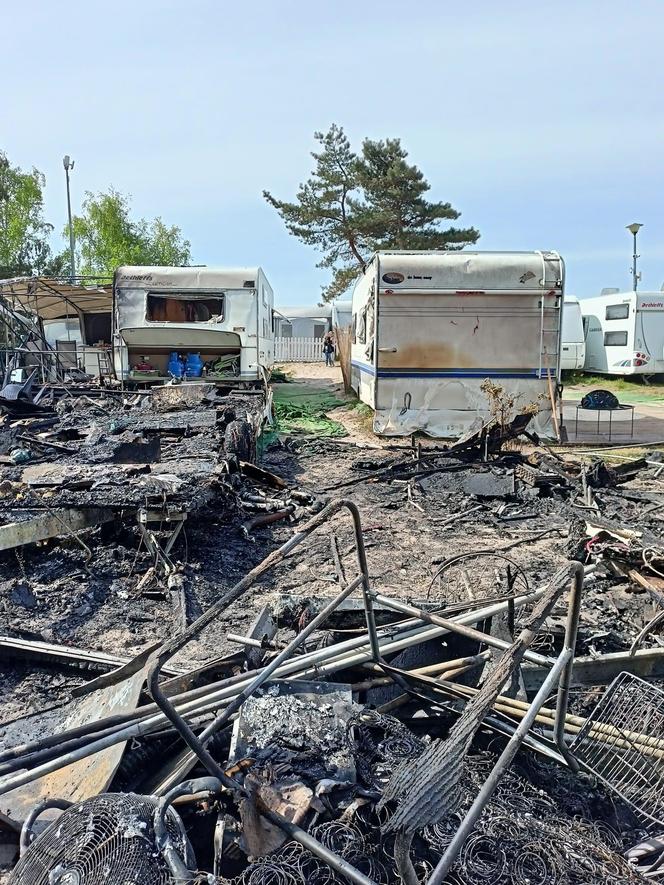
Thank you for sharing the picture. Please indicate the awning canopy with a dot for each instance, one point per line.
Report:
(58, 298)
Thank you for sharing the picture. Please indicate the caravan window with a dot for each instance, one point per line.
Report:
(615, 339)
(617, 312)
(181, 308)
(361, 327)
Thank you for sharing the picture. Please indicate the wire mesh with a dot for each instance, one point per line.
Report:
(622, 743)
(108, 840)
(524, 836)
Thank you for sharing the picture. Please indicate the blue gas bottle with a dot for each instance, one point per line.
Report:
(175, 366)
(194, 365)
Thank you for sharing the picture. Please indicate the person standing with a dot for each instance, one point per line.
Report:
(328, 349)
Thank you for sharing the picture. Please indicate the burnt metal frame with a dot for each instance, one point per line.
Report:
(179, 867)
(197, 743)
(161, 552)
(561, 672)
(569, 643)
(27, 832)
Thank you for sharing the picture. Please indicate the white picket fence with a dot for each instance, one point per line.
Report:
(298, 350)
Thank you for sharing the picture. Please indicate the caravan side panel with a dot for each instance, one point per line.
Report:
(649, 333)
(265, 297)
(363, 337)
(609, 323)
(573, 350)
(449, 322)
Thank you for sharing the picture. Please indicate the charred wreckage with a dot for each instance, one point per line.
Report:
(436, 734)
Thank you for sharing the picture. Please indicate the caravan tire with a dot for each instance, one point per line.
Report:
(239, 440)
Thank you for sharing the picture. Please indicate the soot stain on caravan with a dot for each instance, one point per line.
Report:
(430, 355)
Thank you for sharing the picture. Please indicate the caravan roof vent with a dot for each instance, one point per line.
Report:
(609, 290)
(251, 284)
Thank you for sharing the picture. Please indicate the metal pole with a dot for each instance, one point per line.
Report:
(468, 823)
(634, 257)
(634, 229)
(196, 702)
(459, 626)
(571, 631)
(69, 164)
(218, 723)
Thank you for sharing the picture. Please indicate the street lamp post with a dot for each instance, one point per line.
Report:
(68, 163)
(634, 229)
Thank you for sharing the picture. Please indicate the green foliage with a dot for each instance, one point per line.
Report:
(57, 265)
(24, 247)
(164, 244)
(353, 205)
(298, 411)
(106, 237)
(327, 211)
(630, 389)
(398, 215)
(361, 410)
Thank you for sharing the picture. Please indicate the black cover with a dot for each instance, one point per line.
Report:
(600, 399)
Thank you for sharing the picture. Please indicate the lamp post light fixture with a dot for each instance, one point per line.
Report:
(634, 229)
(68, 163)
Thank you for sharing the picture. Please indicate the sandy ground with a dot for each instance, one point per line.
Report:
(314, 372)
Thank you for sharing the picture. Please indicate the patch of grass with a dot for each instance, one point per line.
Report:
(360, 410)
(630, 389)
(279, 375)
(304, 411)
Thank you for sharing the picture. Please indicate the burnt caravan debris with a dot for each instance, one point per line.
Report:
(55, 328)
(430, 327)
(192, 322)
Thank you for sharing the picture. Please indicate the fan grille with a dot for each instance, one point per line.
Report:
(107, 840)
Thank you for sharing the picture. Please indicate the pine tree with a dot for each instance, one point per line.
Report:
(350, 206)
(399, 216)
(327, 212)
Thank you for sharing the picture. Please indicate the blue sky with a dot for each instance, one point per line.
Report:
(543, 123)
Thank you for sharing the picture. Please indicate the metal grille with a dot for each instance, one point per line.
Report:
(622, 743)
(108, 840)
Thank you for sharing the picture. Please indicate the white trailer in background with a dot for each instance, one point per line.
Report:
(573, 348)
(223, 314)
(624, 333)
(430, 327)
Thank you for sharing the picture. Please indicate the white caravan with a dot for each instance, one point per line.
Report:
(624, 333)
(222, 315)
(430, 327)
(573, 349)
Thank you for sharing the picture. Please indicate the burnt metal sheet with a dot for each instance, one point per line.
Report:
(489, 485)
(80, 780)
(648, 663)
(482, 484)
(51, 525)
